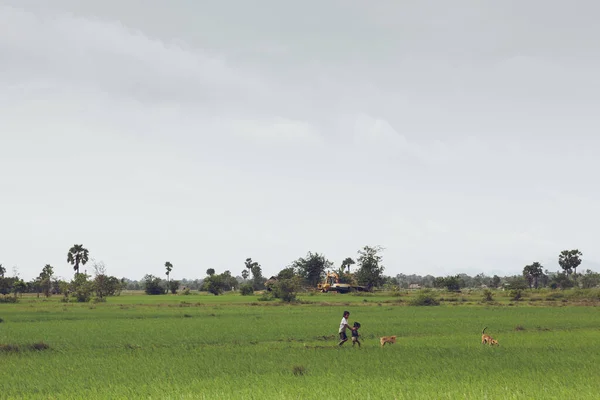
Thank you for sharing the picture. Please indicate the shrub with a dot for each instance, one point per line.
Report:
(425, 298)
(246, 289)
(285, 289)
(488, 295)
(186, 292)
(9, 299)
(82, 288)
(266, 296)
(298, 370)
(153, 285)
(516, 294)
(173, 286)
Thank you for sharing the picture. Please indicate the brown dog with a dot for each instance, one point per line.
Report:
(387, 339)
(487, 339)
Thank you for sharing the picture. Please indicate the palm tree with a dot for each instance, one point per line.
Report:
(77, 255)
(169, 267)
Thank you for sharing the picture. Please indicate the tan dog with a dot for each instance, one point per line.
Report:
(387, 339)
(487, 339)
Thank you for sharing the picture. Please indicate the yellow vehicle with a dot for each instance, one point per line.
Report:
(332, 283)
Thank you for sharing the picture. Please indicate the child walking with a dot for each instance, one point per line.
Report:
(355, 334)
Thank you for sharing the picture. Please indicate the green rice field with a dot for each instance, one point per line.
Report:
(236, 347)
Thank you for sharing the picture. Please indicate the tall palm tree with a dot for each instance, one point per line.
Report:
(77, 255)
(169, 267)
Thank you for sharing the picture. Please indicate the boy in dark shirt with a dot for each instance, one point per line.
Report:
(355, 334)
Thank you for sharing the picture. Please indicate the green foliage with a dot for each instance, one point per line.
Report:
(77, 255)
(488, 295)
(516, 282)
(425, 297)
(569, 260)
(370, 272)
(312, 268)
(105, 285)
(532, 273)
(153, 285)
(2, 271)
(516, 294)
(258, 281)
(173, 286)
(246, 289)
(590, 280)
(561, 281)
(214, 284)
(81, 288)
(210, 271)
(451, 283)
(286, 273)
(286, 289)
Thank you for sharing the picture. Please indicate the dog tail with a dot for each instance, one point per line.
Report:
(483, 330)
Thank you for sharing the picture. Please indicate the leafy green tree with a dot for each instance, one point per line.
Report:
(153, 285)
(286, 273)
(312, 268)
(370, 271)
(496, 281)
(569, 260)
(286, 289)
(82, 288)
(590, 279)
(346, 264)
(78, 255)
(210, 271)
(451, 283)
(2, 271)
(258, 281)
(535, 270)
(169, 268)
(45, 279)
(173, 286)
(214, 284)
(245, 274)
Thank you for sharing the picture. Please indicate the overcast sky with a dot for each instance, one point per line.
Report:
(461, 136)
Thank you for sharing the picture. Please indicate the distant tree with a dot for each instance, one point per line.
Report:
(169, 268)
(535, 271)
(45, 279)
(173, 286)
(569, 260)
(81, 288)
(78, 255)
(210, 271)
(451, 283)
(153, 285)
(2, 271)
(258, 281)
(286, 289)
(245, 274)
(286, 273)
(370, 272)
(590, 279)
(214, 284)
(312, 268)
(347, 263)
(496, 281)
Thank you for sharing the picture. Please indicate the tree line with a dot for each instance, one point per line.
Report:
(301, 274)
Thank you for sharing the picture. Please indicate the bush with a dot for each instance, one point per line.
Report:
(266, 296)
(82, 288)
(153, 285)
(173, 286)
(285, 289)
(298, 370)
(246, 289)
(516, 294)
(9, 299)
(425, 298)
(186, 292)
(488, 295)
